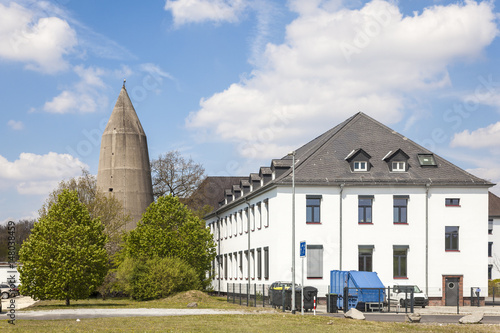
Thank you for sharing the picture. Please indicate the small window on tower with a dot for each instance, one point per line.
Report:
(110, 189)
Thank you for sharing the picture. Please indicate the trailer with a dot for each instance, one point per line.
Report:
(360, 290)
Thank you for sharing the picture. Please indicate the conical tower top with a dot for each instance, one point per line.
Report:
(124, 118)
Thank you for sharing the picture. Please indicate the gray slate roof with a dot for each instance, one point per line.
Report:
(322, 160)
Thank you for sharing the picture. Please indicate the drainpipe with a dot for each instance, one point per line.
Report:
(427, 187)
(248, 253)
(340, 220)
(218, 253)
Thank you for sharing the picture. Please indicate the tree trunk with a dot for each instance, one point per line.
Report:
(67, 300)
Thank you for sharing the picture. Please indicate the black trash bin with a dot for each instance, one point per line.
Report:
(331, 303)
(309, 294)
(288, 298)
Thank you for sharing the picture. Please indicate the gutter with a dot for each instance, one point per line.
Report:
(340, 222)
(427, 188)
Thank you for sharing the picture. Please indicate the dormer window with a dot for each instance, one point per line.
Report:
(397, 161)
(360, 166)
(359, 160)
(398, 166)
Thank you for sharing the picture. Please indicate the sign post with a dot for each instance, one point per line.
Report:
(302, 255)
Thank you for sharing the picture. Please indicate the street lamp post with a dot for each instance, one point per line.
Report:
(293, 232)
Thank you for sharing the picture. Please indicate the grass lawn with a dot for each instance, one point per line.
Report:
(253, 322)
(179, 301)
(232, 323)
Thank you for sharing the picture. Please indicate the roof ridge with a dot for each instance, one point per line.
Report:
(317, 145)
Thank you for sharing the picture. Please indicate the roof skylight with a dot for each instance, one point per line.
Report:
(427, 160)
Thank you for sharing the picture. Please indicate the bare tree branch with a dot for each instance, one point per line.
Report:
(173, 174)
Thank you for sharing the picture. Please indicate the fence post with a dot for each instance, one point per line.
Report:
(346, 297)
(240, 293)
(411, 300)
(389, 299)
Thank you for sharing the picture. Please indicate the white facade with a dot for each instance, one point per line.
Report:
(366, 198)
(382, 234)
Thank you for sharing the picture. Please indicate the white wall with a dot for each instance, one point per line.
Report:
(471, 218)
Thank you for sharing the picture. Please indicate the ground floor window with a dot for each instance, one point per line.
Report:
(314, 261)
(400, 261)
(490, 269)
(259, 263)
(266, 262)
(365, 258)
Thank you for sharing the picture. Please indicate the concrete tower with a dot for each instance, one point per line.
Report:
(124, 170)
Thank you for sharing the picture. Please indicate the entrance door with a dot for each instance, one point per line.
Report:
(451, 291)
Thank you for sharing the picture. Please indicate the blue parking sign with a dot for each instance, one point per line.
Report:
(302, 249)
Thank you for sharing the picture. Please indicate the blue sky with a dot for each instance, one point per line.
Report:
(233, 84)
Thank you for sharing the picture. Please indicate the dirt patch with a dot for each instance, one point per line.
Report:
(190, 296)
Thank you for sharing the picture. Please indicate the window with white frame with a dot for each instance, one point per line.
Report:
(360, 166)
(398, 166)
(314, 261)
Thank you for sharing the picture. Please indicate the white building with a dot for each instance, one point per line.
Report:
(366, 198)
(493, 237)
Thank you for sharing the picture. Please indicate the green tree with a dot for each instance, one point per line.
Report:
(107, 208)
(169, 229)
(64, 257)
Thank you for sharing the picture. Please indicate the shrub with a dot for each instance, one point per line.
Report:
(145, 279)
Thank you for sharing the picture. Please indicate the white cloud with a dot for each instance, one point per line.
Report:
(197, 11)
(335, 62)
(84, 96)
(28, 35)
(491, 174)
(16, 125)
(38, 174)
(483, 137)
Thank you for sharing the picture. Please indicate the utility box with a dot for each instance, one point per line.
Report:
(364, 289)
